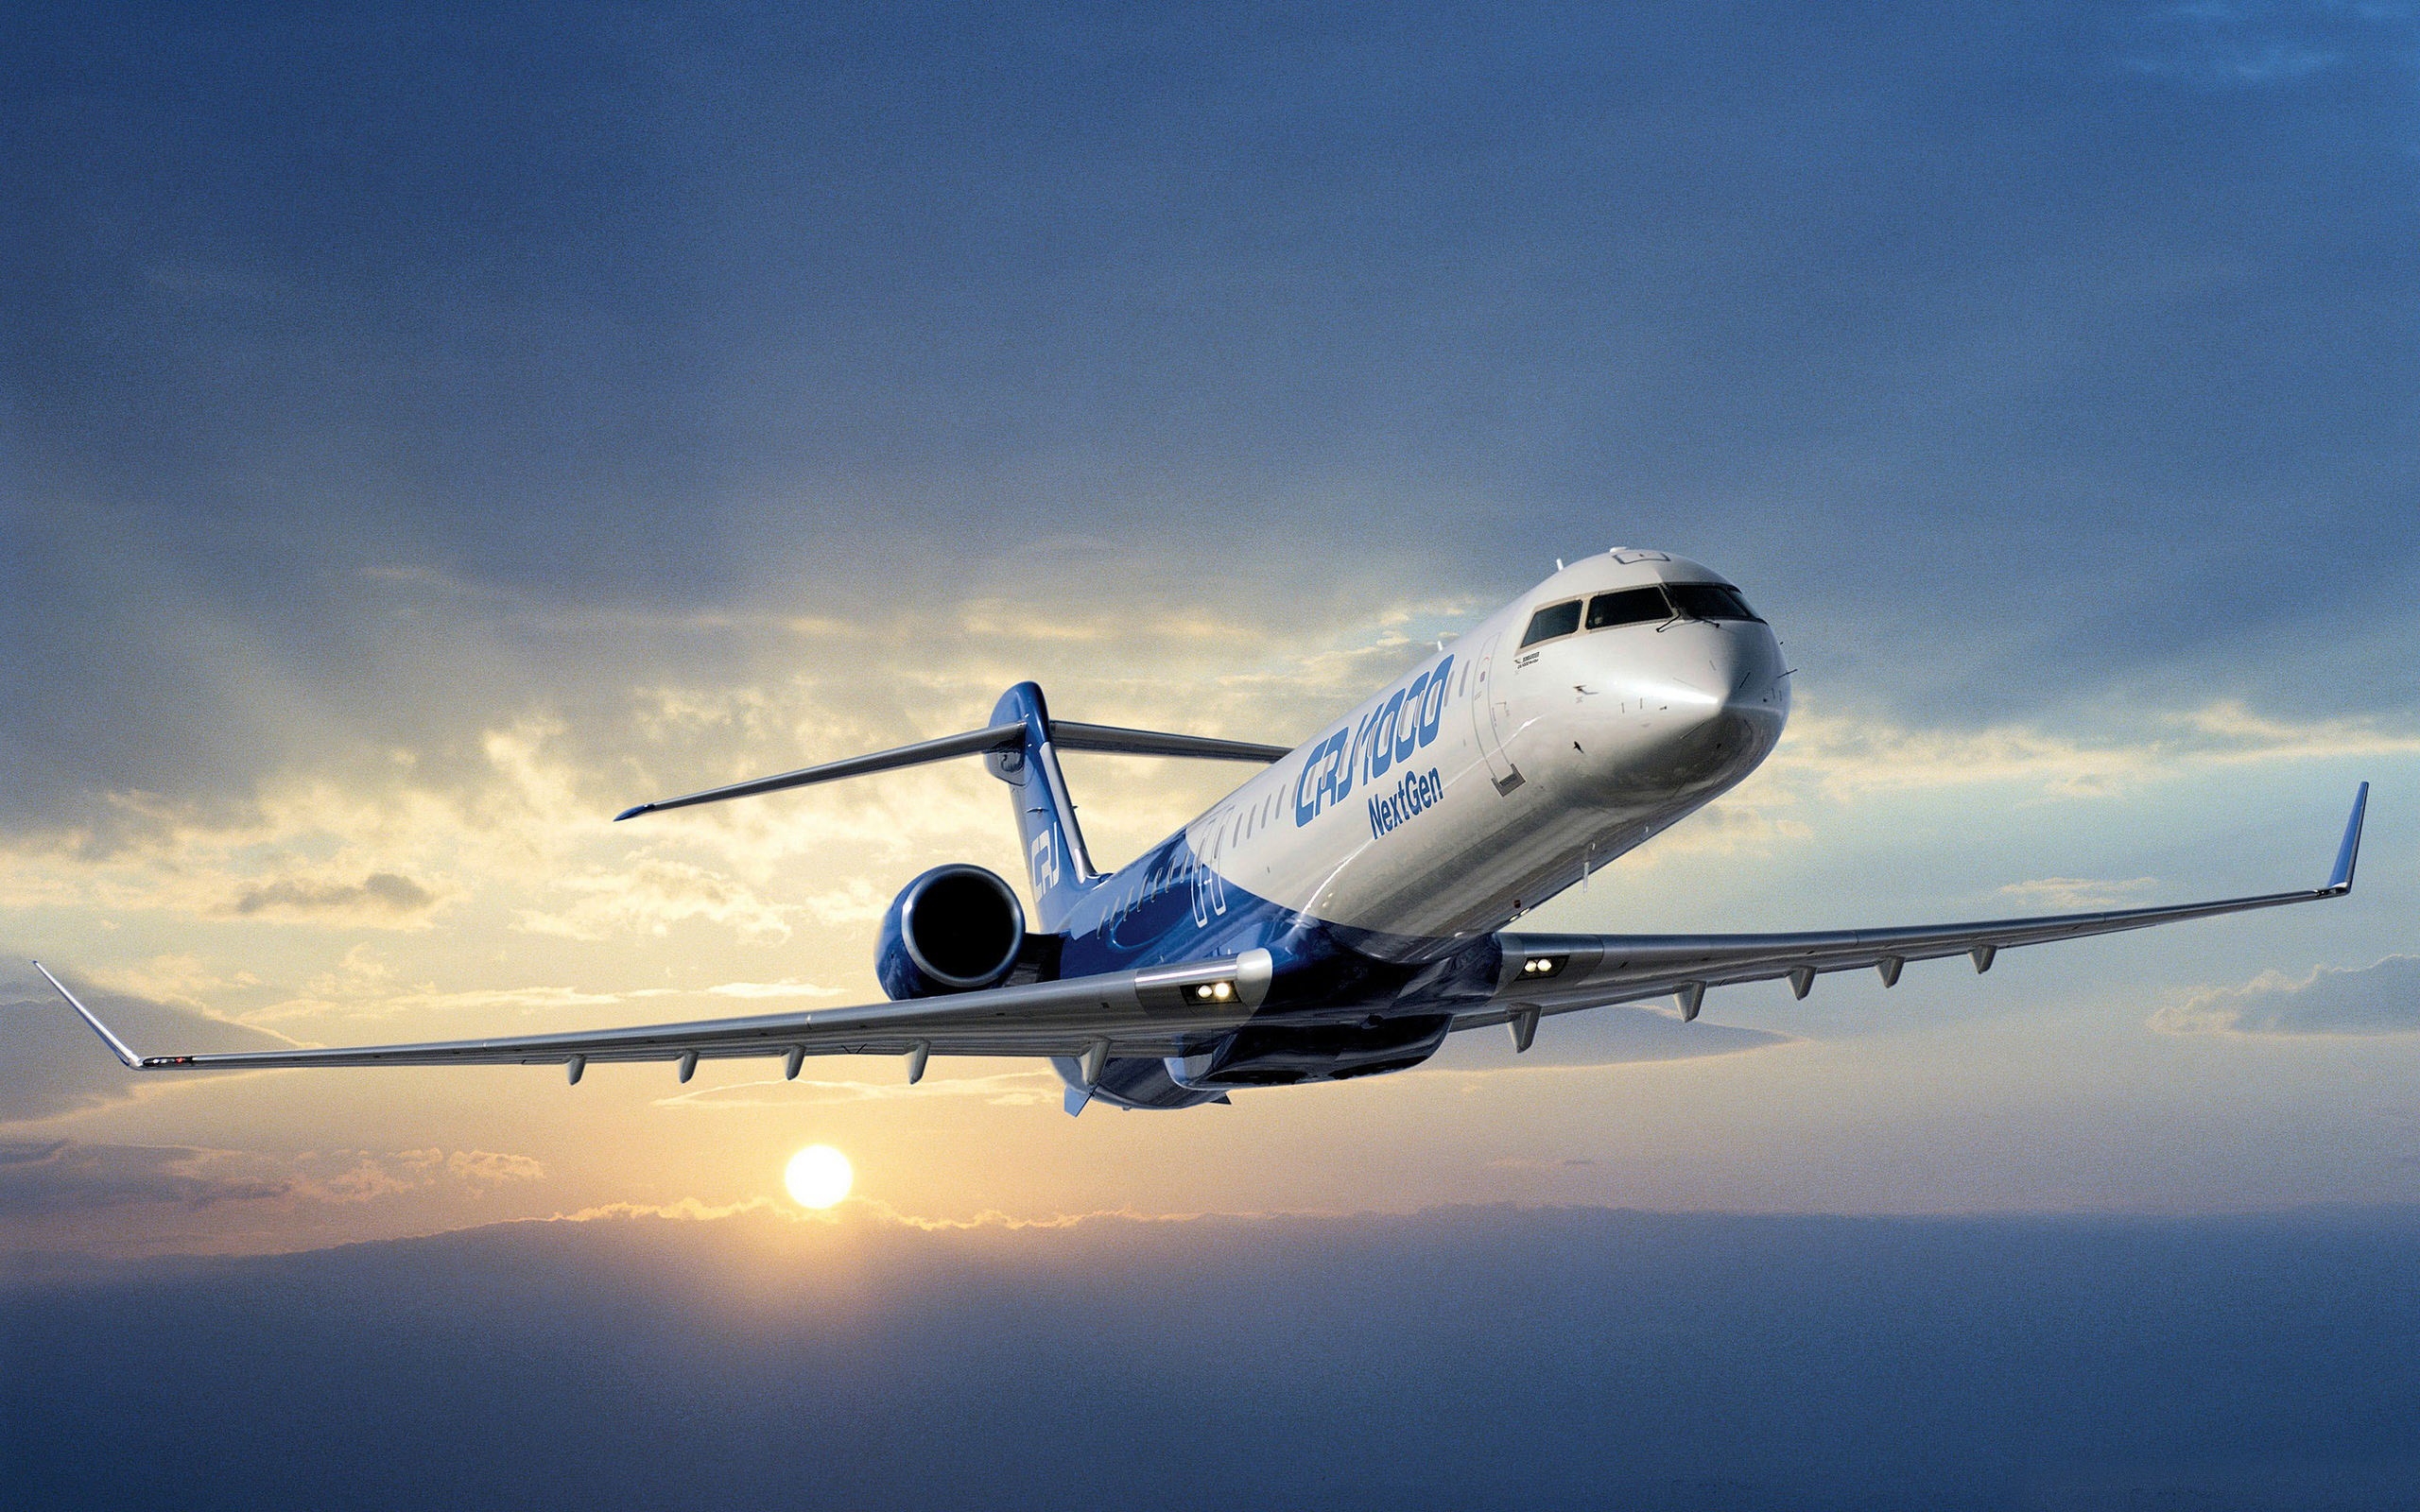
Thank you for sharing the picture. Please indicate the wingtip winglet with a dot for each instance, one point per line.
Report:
(634, 813)
(2340, 880)
(117, 1047)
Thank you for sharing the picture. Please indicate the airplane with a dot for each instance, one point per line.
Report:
(1346, 908)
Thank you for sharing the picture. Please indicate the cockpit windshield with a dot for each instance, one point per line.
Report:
(1668, 601)
(1650, 605)
(1632, 606)
(1560, 619)
(1708, 601)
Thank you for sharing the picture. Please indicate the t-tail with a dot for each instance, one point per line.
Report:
(1021, 745)
(1056, 862)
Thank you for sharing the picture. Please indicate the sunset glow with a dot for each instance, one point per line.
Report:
(817, 1176)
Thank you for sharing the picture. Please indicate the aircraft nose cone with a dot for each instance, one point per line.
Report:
(1716, 667)
(1748, 669)
(1725, 703)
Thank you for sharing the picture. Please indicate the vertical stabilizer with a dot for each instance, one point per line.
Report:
(1055, 860)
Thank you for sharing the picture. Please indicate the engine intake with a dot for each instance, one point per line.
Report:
(954, 929)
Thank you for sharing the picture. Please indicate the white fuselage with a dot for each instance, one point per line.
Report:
(1421, 821)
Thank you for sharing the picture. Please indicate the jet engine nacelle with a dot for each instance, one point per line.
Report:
(953, 929)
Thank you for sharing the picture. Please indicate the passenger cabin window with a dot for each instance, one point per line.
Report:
(1709, 601)
(1632, 606)
(1547, 623)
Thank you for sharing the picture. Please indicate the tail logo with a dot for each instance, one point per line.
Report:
(1044, 863)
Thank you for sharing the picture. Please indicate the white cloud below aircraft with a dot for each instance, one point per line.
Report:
(1345, 909)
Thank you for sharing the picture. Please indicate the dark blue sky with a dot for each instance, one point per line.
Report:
(2080, 336)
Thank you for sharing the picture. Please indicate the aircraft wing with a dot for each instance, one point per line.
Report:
(1151, 1012)
(1547, 975)
(1142, 1013)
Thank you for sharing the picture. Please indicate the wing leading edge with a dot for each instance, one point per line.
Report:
(1143, 1012)
(1152, 1011)
(1564, 973)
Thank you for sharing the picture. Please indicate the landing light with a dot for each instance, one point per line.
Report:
(1538, 966)
(1215, 992)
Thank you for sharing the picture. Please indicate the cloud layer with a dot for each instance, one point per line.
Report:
(2383, 999)
(1468, 1358)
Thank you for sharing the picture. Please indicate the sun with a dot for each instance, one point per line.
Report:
(817, 1176)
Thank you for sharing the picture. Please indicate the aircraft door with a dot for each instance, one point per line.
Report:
(1490, 716)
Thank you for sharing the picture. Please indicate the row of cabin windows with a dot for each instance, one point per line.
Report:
(1238, 829)
(1640, 606)
(1253, 820)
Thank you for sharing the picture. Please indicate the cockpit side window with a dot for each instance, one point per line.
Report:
(1709, 601)
(1632, 606)
(1548, 623)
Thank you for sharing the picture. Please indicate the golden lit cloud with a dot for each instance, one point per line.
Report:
(2078, 892)
(1844, 758)
(2326, 1003)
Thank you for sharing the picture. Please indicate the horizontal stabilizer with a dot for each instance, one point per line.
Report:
(1066, 734)
(974, 743)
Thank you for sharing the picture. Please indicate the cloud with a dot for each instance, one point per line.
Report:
(52, 1066)
(787, 987)
(687, 1210)
(67, 1179)
(61, 1175)
(1844, 757)
(488, 1167)
(366, 1175)
(180, 979)
(654, 896)
(2381, 999)
(1835, 760)
(383, 896)
(2263, 43)
(2076, 892)
(380, 843)
(363, 984)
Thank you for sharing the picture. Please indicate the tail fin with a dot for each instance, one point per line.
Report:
(1056, 861)
(1021, 745)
